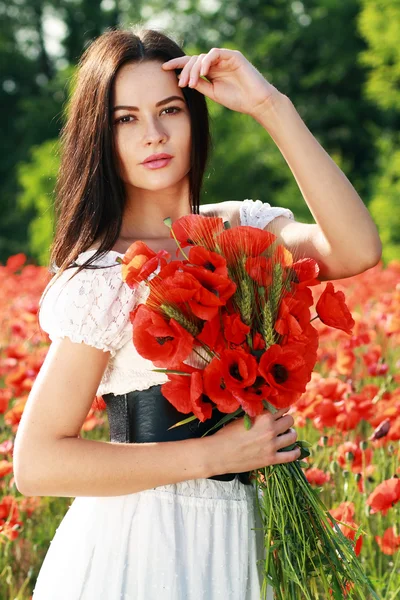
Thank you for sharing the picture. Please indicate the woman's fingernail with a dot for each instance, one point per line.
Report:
(191, 82)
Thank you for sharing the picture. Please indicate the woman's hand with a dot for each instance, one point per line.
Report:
(233, 81)
(235, 449)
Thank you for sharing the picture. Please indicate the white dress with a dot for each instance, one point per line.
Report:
(191, 540)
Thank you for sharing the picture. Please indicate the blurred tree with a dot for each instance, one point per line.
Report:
(37, 179)
(379, 23)
(33, 91)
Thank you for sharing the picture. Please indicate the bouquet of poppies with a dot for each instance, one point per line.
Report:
(239, 303)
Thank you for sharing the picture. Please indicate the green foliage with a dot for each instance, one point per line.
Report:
(339, 62)
(385, 204)
(37, 180)
(379, 22)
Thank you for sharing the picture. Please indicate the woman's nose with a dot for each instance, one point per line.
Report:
(154, 130)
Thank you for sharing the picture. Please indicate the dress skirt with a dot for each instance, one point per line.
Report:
(192, 540)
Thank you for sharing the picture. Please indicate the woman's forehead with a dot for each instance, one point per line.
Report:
(145, 80)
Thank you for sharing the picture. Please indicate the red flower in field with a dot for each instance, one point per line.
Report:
(345, 360)
(139, 261)
(351, 452)
(164, 343)
(384, 496)
(186, 393)
(316, 476)
(29, 504)
(345, 512)
(285, 369)
(235, 330)
(5, 468)
(15, 262)
(9, 509)
(389, 543)
(332, 310)
(198, 230)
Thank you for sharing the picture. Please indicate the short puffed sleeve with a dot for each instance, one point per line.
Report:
(93, 307)
(258, 214)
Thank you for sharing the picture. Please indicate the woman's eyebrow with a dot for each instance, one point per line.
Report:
(161, 103)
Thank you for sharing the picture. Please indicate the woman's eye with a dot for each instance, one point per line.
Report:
(120, 120)
(176, 109)
(173, 108)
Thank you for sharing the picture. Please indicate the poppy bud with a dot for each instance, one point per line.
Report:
(381, 431)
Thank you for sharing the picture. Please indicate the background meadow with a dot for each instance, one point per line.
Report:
(339, 62)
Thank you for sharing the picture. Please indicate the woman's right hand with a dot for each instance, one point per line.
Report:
(236, 449)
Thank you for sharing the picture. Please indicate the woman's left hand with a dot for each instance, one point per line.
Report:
(233, 81)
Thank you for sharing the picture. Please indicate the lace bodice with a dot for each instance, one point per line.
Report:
(94, 308)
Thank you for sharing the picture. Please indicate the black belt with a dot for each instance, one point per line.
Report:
(145, 415)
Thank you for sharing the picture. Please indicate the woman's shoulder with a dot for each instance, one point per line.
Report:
(91, 305)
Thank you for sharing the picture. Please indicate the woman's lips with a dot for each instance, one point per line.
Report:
(157, 164)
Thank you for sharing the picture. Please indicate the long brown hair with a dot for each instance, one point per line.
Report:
(89, 195)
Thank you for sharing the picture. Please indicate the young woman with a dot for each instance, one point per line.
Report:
(157, 515)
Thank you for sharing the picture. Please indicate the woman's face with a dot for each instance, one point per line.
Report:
(150, 129)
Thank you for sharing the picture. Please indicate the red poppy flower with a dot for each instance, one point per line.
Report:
(332, 310)
(235, 330)
(139, 261)
(316, 476)
(211, 334)
(285, 370)
(212, 261)
(251, 398)
(283, 256)
(350, 452)
(204, 292)
(244, 240)
(186, 393)
(293, 317)
(216, 389)
(258, 341)
(345, 512)
(259, 268)
(164, 343)
(306, 270)
(214, 291)
(384, 496)
(238, 368)
(198, 230)
(389, 543)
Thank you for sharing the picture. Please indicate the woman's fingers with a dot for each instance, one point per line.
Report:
(280, 412)
(184, 76)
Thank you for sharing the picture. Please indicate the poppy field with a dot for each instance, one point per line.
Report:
(350, 414)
